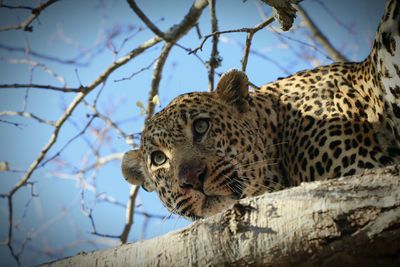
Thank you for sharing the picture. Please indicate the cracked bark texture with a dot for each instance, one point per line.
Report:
(351, 221)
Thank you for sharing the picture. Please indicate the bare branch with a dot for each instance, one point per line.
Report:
(16, 7)
(18, 125)
(215, 60)
(35, 64)
(69, 142)
(155, 83)
(317, 33)
(107, 120)
(249, 39)
(145, 19)
(43, 56)
(198, 32)
(130, 209)
(42, 86)
(25, 25)
(26, 115)
(248, 30)
(137, 72)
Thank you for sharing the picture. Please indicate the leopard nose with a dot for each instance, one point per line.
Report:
(192, 174)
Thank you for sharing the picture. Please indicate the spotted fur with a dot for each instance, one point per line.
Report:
(206, 150)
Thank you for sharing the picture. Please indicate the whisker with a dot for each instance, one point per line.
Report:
(278, 185)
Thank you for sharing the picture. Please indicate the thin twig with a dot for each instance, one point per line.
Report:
(249, 39)
(101, 161)
(46, 57)
(17, 7)
(69, 142)
(107, 120)
(137, 72)
(10, 229)
(155, 83)
(26, 115)
(145, 19)
(42, 86)
(25, 25)
(33, 65)
(18, 125)
(130, 209)
(198, 32)
(214, 61)
(248, 30)
(322, 39)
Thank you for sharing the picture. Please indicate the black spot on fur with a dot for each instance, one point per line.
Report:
(396, 110)
(310, 122)
(320, 169)
(389, 42)
(395, 91)
(384, 160)
(334, 144)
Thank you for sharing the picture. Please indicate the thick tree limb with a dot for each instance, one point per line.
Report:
(343, 222)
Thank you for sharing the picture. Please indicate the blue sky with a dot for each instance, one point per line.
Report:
(55, 219)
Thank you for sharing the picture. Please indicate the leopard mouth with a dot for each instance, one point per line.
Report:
(204, 206)
(204, 203)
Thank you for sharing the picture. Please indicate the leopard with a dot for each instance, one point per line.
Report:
(206, 150)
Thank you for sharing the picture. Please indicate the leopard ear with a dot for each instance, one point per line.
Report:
(132, 170)
(233, 88)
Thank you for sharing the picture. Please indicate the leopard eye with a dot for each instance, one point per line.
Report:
(158, 158)
(200, 126)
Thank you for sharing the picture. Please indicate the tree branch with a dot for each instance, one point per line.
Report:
(215, 60)
(130, 210)
(26, 115)
(248, 30)
(145, 19)
(322, 39)
(249, 39)
(41, 86)
(25, 25)
(155, 83)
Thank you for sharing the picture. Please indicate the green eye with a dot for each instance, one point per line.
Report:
(200, 126)
(158, 158)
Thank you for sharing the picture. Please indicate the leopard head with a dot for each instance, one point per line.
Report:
(197, 153)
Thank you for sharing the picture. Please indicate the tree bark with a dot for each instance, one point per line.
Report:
(351, 221)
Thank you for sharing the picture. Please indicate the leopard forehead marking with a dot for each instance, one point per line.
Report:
(328, 122)
(169, 126)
